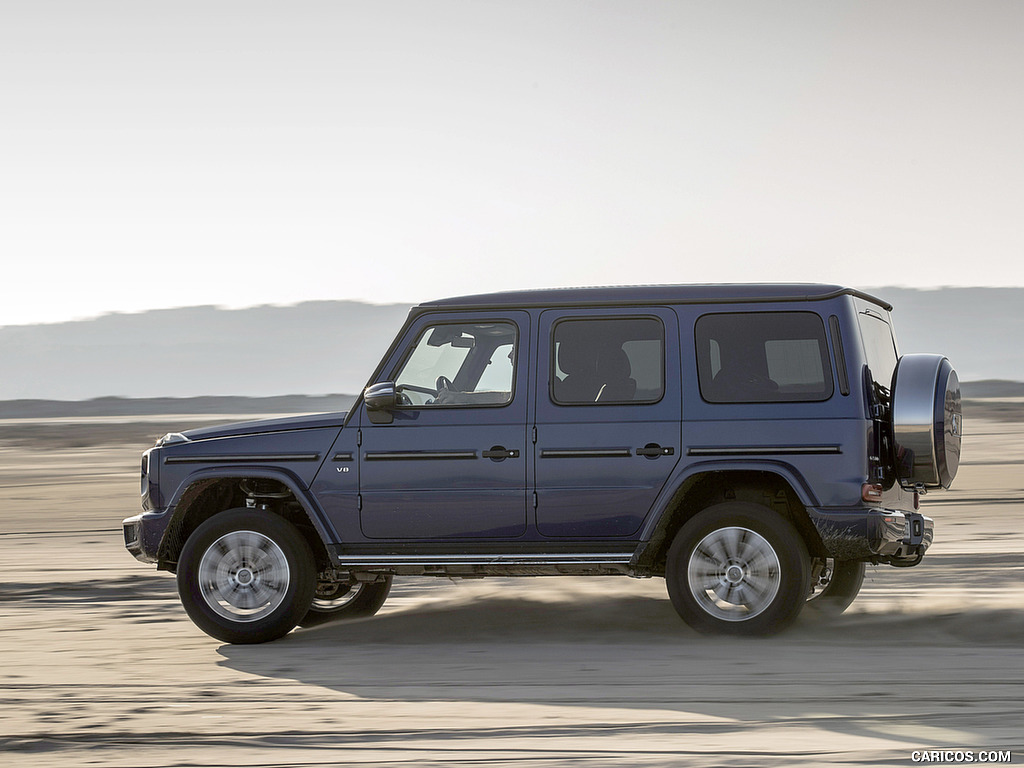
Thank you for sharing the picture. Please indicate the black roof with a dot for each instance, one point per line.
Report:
(706, 293)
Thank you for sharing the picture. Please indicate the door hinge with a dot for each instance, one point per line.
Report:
(359, 437)
(534, 435)
(359, 502)
(534, 499)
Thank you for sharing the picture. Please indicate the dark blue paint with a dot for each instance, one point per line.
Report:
(535, 501)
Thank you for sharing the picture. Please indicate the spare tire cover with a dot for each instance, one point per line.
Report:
(926, 420)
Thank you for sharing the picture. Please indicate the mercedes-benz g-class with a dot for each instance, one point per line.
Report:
(755, 445)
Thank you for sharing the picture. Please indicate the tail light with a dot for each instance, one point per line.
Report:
(871, 492)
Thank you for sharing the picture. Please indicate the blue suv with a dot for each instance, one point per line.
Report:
(755, 445)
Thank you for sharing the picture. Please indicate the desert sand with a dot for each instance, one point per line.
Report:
(101, 666)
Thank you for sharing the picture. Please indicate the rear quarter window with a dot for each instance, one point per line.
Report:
(879, 347)
(763, 357)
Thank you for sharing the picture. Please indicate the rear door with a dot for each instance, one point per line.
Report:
(607, 419)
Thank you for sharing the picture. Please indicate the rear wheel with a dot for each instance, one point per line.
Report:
(334, 601)
(738, 568)
(246, 576)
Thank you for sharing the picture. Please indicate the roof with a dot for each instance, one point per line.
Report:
(706, 293)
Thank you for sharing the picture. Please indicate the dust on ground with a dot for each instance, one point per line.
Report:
(101, 665)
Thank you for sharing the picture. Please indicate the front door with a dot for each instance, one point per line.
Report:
(607, 419)
(452, 462)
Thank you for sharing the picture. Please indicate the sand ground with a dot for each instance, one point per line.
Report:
(100, 665)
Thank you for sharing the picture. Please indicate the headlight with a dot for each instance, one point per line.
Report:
(145, 472)
(150, 482)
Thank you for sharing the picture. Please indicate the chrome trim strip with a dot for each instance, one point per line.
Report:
(417, 455)
(496, 559)
(766, 450)
(240, 457)
(343, 456)
(587, 453)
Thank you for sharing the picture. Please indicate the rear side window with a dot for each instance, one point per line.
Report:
(763, 357)
(608, 361)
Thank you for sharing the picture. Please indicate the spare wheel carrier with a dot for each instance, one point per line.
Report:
(926, 420)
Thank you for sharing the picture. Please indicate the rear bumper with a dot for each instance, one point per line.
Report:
(143, 533)
(869, 533)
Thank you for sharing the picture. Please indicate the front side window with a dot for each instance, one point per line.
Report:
(459, 364)
(608, 361)
(763, 357)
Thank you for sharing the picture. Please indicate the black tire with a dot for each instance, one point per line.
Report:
(246, 576)
(738, 568)
(836, 589)
(339, 602)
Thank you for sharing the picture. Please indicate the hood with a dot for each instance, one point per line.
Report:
(289, 423)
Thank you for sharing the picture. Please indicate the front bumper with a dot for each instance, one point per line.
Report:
(870, 533)
(143, 533)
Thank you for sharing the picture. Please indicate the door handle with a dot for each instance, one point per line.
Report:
(498, 453)
(653, 451)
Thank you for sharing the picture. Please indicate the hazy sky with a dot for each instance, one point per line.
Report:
(157, 154)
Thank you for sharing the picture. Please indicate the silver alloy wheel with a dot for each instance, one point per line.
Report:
(734, 573)
(244, 576)
(323, 603)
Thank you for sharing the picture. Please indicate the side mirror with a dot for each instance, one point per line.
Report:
(380, 398)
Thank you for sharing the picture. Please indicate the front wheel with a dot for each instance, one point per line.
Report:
(246, 576)
(334, 601)
(738, 568)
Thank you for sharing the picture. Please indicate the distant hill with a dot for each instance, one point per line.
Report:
(118, 407)
(312, 348)
(981, 330)
(992, 388)
(991, 395)
(316, 348)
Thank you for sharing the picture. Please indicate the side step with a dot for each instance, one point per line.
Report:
(489, 564)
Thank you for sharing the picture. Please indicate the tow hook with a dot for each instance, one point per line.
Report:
(912, 541)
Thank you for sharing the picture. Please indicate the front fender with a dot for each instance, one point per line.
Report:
(316, 515)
